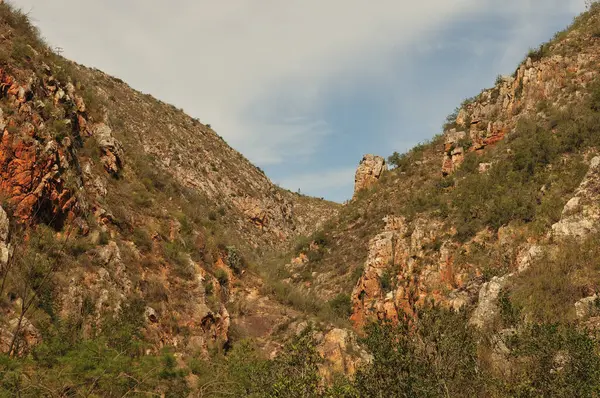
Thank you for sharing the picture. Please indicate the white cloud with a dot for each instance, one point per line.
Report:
(218, 60)
(258, 70)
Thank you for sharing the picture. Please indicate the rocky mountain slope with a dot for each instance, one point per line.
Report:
(413, 234)
(140, 254)
(123, 197)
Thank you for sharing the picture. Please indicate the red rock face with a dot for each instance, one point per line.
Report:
(31, 166)
(494, 113)
(31, 181)
(400, 276)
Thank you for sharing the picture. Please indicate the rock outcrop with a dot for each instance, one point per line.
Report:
(581, 214)
(369, 171)
(342, 353)
(112, 151)
(407, 264)
(494, 113)
(34, 162)
(5, 248)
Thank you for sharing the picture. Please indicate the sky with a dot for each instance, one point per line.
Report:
(305, 88)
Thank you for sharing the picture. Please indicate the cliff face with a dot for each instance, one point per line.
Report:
(554, 80)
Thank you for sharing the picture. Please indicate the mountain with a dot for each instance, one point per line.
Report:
(140, 254)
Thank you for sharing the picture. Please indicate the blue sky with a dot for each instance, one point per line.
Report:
(304, 88)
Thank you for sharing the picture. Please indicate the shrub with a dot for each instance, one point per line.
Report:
(386, 281)
(142, 240)
(235, 260)
(555, 361)
(341, 305)
(438, 359)
(222, 277)
(537, 54)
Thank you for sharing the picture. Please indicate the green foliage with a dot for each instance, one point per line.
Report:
(235, 260)
(208, 288)
(555, 281)
(403, 162)
(341, 305)
(554, 361)
(110, 364)
(386, 281)
(177, 255)
(142, 240)
(536, 54)
(222, 277)
(510, 314)
(295, 372)
(450, 122)
(437, 359)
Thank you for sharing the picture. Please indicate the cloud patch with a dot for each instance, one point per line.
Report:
(303, 88)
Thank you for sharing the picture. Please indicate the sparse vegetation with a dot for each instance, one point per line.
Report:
(149, 244)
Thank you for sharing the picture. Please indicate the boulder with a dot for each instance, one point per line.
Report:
(369, 171)
(585, 307)
(112, 156)
(581, 214)
(4, 229)
(487, 308)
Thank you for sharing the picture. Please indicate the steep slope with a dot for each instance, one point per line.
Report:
(474, 202)
(119, 202)
(139, 254)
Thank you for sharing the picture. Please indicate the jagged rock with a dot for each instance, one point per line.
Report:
(487, 308)
(342, 353)
(151, 314)
(526, 257)
(585, 307)
(79, 103)
(28, 336)
(4, 230)
(112, 150)
(369, 171)
(494, 113)
(368, 291)
(453, 154)
(484, 167)
(581, 214)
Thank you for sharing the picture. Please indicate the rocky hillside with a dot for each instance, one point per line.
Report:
(111, 198)
(140, 254)
(494, 218)
(411, 233)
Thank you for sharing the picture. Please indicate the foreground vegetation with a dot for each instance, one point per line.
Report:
(434, 357)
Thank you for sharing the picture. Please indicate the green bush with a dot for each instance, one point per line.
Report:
(142, 240)
(235, 260)
(341, 305)
(222, 277)
(386, 281)
(437, 359)
(554, 361)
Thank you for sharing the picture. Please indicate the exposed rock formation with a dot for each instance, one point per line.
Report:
(581, 214)
(369, 171)
(33, 164)
(494, 113)
(487, 307)
(404, 269)
(342, 353)
(112, 150)
(586, 306)
(4, 245)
